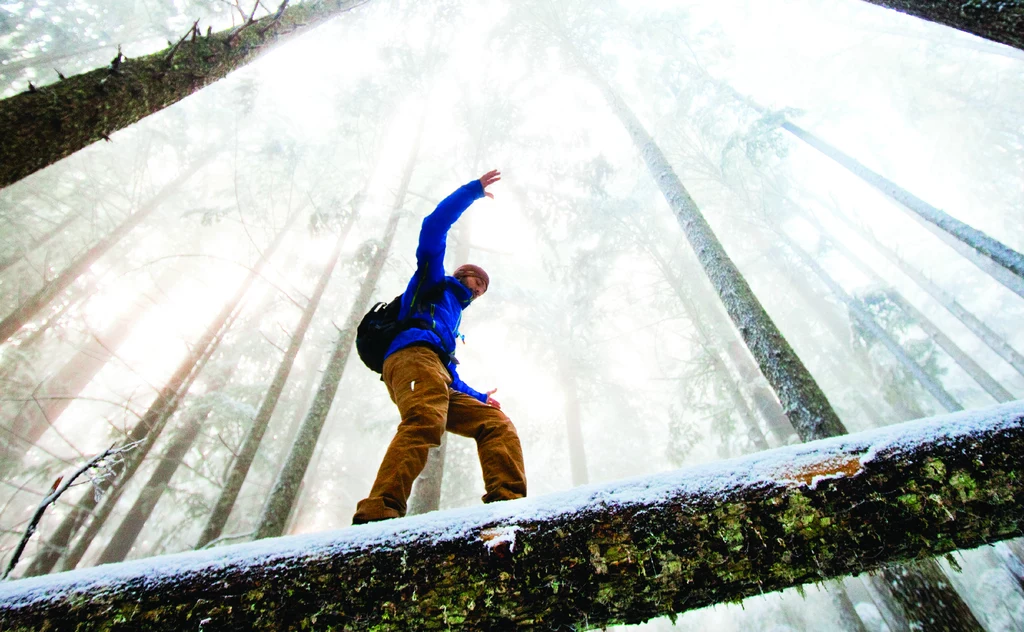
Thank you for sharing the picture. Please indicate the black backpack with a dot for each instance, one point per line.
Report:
(376, 332)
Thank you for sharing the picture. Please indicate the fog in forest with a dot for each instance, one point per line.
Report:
(208, 226)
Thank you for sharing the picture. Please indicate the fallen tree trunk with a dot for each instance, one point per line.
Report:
(594, 556)
(45, 124)
(1001, 22)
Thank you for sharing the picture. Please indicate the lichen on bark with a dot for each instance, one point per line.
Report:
(620, 554)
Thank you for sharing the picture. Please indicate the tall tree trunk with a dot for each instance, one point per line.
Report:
(124, 537)
(250, 446)
(993, 340)
(1001, 22)
(274, 516)
(573, 422)
(972, 368)
(624, 554)
(38, 241)
(804, 403)
(285, 491)
(710, 341)
(1001, 262)
(43, 125)
(146, 430)
(865, 318)
(31, 308)
(927, 585)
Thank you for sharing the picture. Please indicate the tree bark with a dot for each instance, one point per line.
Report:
(1001, 22)
(43, 125)
(993, 340)
(31, 308)
(147, 430)
(250, 446)
(929, 599)
(996, 259)
(803, 401)
(620, 554)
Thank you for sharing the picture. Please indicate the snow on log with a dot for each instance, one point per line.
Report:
(997, 20)
(618, 553)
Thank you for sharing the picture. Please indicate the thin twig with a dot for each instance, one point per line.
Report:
(60, 486)
(174, 49)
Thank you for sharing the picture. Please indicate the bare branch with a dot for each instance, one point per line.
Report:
(60, 486)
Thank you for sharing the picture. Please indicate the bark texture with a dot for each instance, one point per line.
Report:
(997, 20)
(615, 554)
(43, 125)
(998, 260)
(803, 401)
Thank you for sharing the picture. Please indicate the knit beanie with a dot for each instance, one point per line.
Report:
(475, 271)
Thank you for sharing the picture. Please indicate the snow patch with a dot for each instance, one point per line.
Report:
(498, 536)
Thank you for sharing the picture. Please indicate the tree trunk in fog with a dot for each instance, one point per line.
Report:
(1001, 22)
(55, 394)
(928, 599)
(849, 620)
(250, 446)
(865, 318)
(697, 318)
(145, 433)
(31, 308)
(921, 594)
(972, 368)
(274, 516)
(147, 429)
(573, 421)
(38, 241)
(426, 491)
(617, 556)
(46, 124)
(123, 540)
(804, 403)
(993, 340)
(1001, 262)
(285, 491)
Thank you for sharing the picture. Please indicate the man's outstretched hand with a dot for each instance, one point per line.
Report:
(491, 401)
(487, 180)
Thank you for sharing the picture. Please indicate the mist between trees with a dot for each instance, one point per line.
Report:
(723, 227)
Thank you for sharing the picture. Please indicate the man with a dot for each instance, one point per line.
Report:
(420, 374)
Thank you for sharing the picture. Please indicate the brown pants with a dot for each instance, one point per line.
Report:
(420, 385)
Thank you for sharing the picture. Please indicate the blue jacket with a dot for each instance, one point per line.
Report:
(424, 300)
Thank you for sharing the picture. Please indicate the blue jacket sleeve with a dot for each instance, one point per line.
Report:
(434, 233)
(462, 387)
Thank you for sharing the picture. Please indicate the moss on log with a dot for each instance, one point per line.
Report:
(595, 556)
(42, 125)
(997, 20)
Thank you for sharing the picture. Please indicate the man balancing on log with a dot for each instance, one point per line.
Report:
(411, 342)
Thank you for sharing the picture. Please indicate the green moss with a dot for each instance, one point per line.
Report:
(965, 485)
(935, 470)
